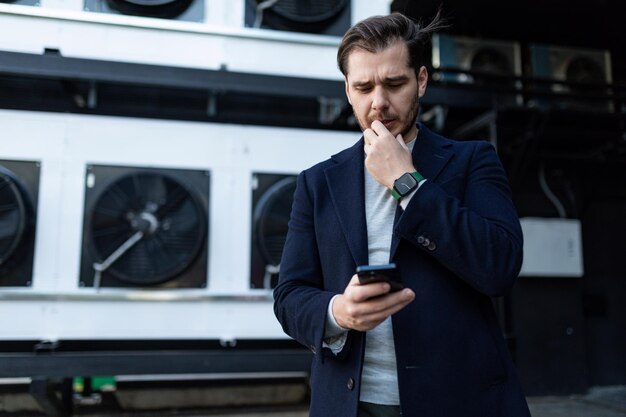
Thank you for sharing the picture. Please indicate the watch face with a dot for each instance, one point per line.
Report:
(405, 184)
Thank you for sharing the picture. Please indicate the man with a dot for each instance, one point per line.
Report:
(439, 209)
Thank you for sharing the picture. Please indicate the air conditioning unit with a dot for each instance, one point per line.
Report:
(19, 189)
(185, 10)
(146, 225)
(473, 57)
(329, 17)
(145, 228)
(272, 198)
(579, 76)
(22, 2)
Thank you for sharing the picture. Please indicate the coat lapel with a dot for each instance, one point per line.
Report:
(430, 155)
(347, 190)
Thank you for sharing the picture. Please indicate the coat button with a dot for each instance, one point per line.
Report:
(426, 242)
(351, 384)
(420, 239)
(432, 246)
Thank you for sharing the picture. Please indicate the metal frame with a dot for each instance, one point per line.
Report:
(180, 361)
(51, 372)
(53, 66)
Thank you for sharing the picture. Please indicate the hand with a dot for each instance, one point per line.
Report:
(387, 157)
(363, 307)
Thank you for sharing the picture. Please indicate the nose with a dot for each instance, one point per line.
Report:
(380, 100)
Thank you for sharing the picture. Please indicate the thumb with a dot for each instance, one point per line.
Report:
(354, 281)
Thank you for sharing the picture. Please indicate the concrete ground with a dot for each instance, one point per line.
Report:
(598, 402)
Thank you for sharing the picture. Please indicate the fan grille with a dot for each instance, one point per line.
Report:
(585, 71)
(12, 215)
(271, 218)
(171, 219)
(308, 11)
(151, 8)
(491, 61)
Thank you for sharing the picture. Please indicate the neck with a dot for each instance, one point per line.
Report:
(410, 135)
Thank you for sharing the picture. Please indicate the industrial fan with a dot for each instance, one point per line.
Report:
(331, 17)
(17, 222)
(579, 76)
(150, 8)
(145, 228)
(482, 58)
(184, 10)
(272, 200)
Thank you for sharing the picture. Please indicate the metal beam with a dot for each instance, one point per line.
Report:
(70, 364)
(52, 65)
(56, 66)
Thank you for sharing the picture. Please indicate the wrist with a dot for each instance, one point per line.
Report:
(397, 174)
(405, 184)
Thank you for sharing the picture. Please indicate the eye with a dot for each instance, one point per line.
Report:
(395, 86)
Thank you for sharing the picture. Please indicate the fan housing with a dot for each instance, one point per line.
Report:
(19, 189)
(145, 228)
(272, 198)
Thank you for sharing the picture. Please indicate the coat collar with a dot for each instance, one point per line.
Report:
(347, 185)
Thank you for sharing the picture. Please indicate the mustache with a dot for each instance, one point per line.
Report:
(382, 116)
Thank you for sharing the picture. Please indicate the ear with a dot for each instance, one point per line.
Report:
(347, 90)
(422, 80)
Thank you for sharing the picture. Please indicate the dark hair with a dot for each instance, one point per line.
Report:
(376, 33)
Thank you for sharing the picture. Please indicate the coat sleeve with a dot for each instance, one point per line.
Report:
(300, 302)
(477, 234)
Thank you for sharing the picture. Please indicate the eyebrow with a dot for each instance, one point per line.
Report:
(387, 80)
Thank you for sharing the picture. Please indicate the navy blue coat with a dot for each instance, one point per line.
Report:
(457, 244)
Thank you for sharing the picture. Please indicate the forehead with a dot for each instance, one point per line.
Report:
(391, 61)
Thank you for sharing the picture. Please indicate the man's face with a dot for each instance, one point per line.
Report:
(382, 86)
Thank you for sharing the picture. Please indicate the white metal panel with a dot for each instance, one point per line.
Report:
(55, 307)
(41, 139)
(211, 45)
(552, 247)
(93, 319)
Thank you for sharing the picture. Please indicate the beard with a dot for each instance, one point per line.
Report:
(408, 120)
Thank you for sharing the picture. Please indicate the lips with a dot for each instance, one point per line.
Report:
(388, 123)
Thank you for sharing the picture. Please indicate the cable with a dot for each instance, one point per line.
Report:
(546, 190)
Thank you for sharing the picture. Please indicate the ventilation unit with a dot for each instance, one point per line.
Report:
(328, 17)
(19, 189)
(186, 10)
(579, 76)
(22, 2)
(272, 197)
(476, 61)
(145, 228)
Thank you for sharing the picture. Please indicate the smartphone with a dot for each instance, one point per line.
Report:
(380, 273)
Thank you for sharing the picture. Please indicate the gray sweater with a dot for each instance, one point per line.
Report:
(379, 379)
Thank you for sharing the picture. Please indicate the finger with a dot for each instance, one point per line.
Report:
(379, 128)
(369, 136)
(375, 312)
(360, 294)
(365, 292)
(391, 302)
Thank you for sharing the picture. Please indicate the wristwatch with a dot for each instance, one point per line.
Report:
(405, 184)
